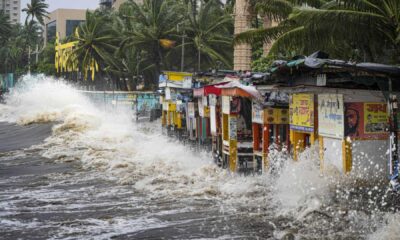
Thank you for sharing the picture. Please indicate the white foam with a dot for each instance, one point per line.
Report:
(389, 229)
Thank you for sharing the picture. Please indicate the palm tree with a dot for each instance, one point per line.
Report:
(97, 42)
(150, 27)
(36, 9)
(5, 26)
(210, 33)
(341, 27)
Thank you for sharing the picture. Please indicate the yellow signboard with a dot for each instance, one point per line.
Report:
(177, 76)
(301, 112)
(376, 117)
(276, 116)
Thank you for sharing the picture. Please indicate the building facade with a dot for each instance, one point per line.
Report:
(12, 8)
(63, 21)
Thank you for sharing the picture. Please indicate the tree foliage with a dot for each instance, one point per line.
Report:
(363, 30)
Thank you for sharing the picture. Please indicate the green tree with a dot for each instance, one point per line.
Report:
(210, 32)
(150, 29)
(36, 9)
(97, 43)
(5, 26)
(364, 30)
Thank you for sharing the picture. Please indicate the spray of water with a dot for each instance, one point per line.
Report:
(113, 144)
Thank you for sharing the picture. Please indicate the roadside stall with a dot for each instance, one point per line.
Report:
(237, 138)
(270, 120)
(345, 107)
(177, 92)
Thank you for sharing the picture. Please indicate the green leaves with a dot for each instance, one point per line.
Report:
(341, 27)
(36, 9)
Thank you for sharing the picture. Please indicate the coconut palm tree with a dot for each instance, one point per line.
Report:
(36, 9)
(341, 27)
(5, 26)
(150, 28)
(97, 42)
(210, 33)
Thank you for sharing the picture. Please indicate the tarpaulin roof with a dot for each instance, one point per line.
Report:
(316, 63)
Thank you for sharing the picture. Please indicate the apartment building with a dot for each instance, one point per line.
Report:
(12, 8)
(63, 21)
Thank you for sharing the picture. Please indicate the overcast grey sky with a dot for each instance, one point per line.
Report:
(54, 4)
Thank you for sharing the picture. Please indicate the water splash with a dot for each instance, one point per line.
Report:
(298, 195)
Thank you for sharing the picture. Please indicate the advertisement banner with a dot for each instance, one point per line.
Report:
(301, 112)
(257, 114)
(366, 121)
(226, 103)
(376, 118)
(331, 115)
(276, 116)
(213, 120)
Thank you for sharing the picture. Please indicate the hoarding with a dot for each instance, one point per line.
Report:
(301, 112)
(331, 115)
(366, 121)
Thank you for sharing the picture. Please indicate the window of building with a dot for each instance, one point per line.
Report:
(71, 26)
(51, 29)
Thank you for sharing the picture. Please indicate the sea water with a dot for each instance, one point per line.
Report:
(96, 174)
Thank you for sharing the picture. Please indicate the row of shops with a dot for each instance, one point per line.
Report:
(343, 108)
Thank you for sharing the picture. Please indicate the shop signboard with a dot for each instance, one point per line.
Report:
(301, 112)
(331, 115)
(226, 104)
(366, 121)
(257, 114)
